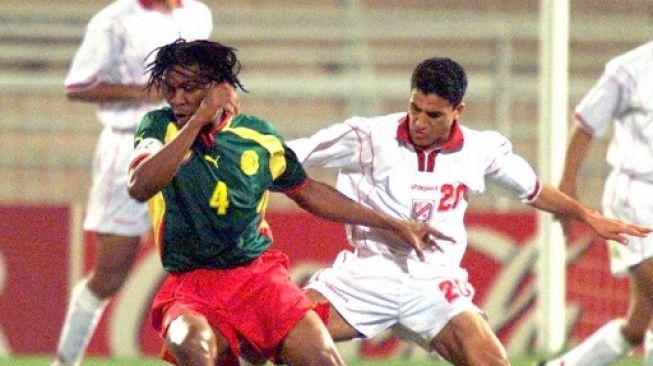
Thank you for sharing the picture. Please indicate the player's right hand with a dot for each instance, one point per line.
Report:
(220, 101)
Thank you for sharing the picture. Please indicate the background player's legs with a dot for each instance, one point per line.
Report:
(616, 338)
(115, 257)
(640, 312)
(468, 340)
(309, 343)
(601, 348)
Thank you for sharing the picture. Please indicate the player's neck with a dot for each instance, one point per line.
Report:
(165, 6)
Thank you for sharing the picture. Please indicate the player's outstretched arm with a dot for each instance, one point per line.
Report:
(577, 149)
(324, 201)
(563, 206)
(104, 92)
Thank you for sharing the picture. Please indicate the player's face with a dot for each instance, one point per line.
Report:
(431, 118)
(184, 89)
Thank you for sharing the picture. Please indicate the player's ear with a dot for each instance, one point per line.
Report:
(459, 108)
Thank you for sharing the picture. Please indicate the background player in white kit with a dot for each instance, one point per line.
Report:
(623, 95)
(109, 69)
(423, 165)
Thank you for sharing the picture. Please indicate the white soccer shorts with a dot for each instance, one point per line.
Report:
(632, 200)
(372, 297)
(110, 210)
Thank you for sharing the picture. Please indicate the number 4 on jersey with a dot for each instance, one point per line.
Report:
(220, 198)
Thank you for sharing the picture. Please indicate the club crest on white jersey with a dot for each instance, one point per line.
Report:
(422, 210)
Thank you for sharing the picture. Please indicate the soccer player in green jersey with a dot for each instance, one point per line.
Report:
(206, 170)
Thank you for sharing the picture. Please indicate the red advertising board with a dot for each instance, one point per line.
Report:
(34, 267)
(34, 244)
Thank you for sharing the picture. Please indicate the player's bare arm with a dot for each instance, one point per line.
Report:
(576, 153)
(104, 92)
(324, 201)
(564, 206)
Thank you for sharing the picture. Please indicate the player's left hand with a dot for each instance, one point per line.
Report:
(613, 229)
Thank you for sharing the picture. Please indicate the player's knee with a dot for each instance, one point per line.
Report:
(189, 341)
(309, 343)
(106, 283)
(320, 354)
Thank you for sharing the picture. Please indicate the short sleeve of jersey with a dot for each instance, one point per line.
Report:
(153, 126)
(95, 53)
(607, 99)
(293, 176)
(510, 170)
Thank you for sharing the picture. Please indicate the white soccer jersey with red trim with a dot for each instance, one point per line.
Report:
(624, 95)
(381, 169)
(118, 40)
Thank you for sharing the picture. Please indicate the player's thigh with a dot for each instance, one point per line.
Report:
(309, 343)
(338, 327)
(468, 340)
(640, 312)
(116, 253)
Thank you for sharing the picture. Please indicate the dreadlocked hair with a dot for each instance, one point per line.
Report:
(217, 62)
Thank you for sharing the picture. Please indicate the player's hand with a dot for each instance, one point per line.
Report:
(613, 229)
(421, 236)
(219, 103)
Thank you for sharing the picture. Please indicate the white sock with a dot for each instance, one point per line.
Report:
(601, 348)
(84, 311)
(648, 348)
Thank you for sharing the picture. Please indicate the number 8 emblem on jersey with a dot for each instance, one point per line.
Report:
(249, 162)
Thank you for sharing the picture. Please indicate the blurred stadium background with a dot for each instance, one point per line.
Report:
(307, 64)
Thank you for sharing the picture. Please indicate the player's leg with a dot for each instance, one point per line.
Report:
(618, 337)
(337, 326)
(468, 340)
(640, 310)
(192, 341)
(309, 343)
(115, 257)
(120, 222)
(89, 297)
(354, 299)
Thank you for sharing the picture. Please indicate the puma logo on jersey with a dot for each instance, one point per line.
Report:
(212, 160)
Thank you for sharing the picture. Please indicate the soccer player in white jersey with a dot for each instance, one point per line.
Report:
(423, 165)
(623, 97)
(109, 69)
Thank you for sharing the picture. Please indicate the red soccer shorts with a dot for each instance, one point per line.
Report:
(257, 302)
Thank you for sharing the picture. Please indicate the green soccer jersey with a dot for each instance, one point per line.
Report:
(211, 214)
